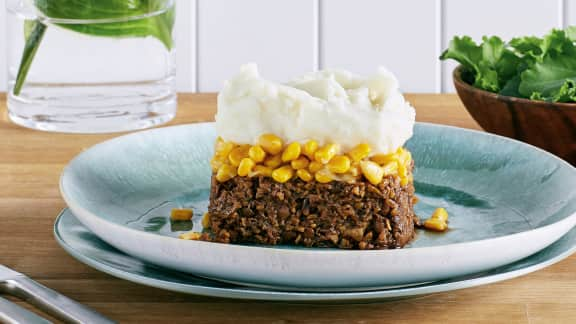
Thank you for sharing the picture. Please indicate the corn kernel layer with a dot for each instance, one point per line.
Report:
(271, 157)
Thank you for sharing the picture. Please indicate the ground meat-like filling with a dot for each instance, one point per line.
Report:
(355, 215)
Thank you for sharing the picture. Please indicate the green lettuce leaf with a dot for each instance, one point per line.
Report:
(508, 66)
(529, 67)
(465, 51)
(558, 42)
(566, 93)
(529, 49)
(491, 62)
(550, 78)
(492, 50)
(571, 33)
(487, 77)
(511, 87)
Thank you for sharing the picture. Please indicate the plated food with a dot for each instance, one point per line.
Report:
(317, 162)
(124, 189)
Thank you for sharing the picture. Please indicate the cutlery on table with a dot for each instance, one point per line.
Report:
(46, 299)
(14, 314)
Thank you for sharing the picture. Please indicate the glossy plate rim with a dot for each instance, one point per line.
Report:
(112, 232)
(249, 293)
(72, 204)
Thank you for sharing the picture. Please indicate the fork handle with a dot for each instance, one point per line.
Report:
(52, 302)
(14, 314)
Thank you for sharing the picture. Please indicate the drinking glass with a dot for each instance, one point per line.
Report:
(90, 66)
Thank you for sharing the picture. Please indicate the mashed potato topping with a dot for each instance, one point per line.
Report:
(329, 106)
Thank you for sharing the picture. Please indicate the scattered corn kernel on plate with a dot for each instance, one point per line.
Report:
(506, 200)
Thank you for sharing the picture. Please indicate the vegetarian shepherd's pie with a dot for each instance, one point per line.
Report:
(317, 162)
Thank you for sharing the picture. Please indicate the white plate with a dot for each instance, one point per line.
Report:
(507, 200)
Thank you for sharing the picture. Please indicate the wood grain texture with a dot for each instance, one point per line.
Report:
(30, 164)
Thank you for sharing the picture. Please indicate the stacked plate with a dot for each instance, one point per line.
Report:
(512, 211)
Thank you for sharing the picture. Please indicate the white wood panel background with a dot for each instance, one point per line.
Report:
(401, 35)
(3, 46)
(570, 13)
(280, 35)
(289, 37)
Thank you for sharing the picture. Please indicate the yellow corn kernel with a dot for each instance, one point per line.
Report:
(390, 168)
(402, 170)
(404, 156)
(215, 163)
(245, 167)
(359, 152)
(384, 158)
(315, 166)
(435, 225)
(304, 175)
(190, 236)
(282, 174)
(206, 220)
(440, 214)
(225, 173)
(339, 164)
(355, 170)
(323, 176)
(326, 153)
(273, 161)
(181, 214)
(300, 163)
(372, 171)
(291, 152)
(237, 154)
(310, 148)
(347, 177)
(262, 170)
(271, 143)
(404, 181)
(223, 148)
(256, 153)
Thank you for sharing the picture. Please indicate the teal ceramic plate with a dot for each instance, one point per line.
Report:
(506, 200)
(82, 244)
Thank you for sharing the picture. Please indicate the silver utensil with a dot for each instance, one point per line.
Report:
(13, 314)
(46, 299)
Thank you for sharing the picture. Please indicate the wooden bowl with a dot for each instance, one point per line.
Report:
(550, 126)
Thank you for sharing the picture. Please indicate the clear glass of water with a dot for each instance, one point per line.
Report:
(90, 66)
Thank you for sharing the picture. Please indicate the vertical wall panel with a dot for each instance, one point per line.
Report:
(570, 14)
(3, 49)
(185, 35)
(506, 19)
(400, 35)
(278, 35)
(282, 36)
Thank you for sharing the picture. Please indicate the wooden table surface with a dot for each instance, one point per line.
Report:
(31, 162)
